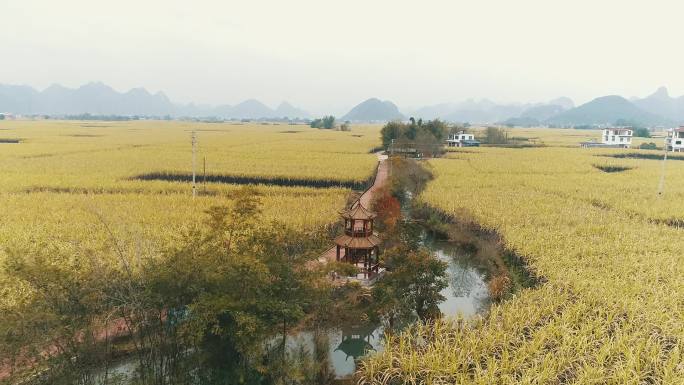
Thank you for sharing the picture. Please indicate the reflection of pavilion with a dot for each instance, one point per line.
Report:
(359, 245)
(356, 341)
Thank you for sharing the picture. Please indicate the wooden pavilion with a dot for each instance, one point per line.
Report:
(359, 245)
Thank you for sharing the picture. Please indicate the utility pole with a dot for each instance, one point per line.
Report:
(661, 184)
(194, 161)
(389, 158)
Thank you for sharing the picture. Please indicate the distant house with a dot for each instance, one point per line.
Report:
(675, 139)
(612, 137)
(462, 139)
(617, 136)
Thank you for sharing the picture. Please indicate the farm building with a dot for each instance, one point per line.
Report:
(612, 137)
(675, 139)
(617, 136)
(462, 139)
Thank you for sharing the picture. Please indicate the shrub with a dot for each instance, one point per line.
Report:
(499, 287)
(648, 146)
(388, 209)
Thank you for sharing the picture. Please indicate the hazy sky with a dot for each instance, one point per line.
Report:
(329, 55)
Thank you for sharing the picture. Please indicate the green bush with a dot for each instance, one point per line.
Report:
(648, 146)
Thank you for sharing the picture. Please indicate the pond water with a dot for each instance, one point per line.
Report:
(466, 295)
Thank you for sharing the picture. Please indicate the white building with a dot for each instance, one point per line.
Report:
(461, 139)
(617, 137)
(675, 139)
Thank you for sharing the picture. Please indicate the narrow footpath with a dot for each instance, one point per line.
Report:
(381, 177)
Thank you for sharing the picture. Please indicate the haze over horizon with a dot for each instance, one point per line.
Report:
(325, 56)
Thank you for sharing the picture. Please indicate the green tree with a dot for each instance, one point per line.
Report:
(326, 122)
(412, 284)
(61, 318)
(231, 284)
(427, 136)
(329, 122)
(642, 132)
(495, 135)
(390, 131)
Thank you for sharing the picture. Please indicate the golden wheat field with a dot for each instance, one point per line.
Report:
(68, 184)
(610, 308)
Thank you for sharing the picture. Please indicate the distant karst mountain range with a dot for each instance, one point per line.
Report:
(99, 99)
(654, 110)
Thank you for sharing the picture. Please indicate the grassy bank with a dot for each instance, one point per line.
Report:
(506, 271)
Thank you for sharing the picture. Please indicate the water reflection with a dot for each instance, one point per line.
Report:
(345, 345)
(467, 293)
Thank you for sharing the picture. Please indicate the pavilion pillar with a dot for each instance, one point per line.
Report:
(338, 253)
(377, 258)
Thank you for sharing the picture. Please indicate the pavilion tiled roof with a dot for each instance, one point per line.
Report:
(368, 242)
(358, 212)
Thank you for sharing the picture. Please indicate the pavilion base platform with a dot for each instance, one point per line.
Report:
(365, 278)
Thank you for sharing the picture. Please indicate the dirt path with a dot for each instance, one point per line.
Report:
(115, 328)
(381, 177)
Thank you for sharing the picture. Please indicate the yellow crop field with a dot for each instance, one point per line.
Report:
(101, 154)
(68, 184)
(610, 308)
